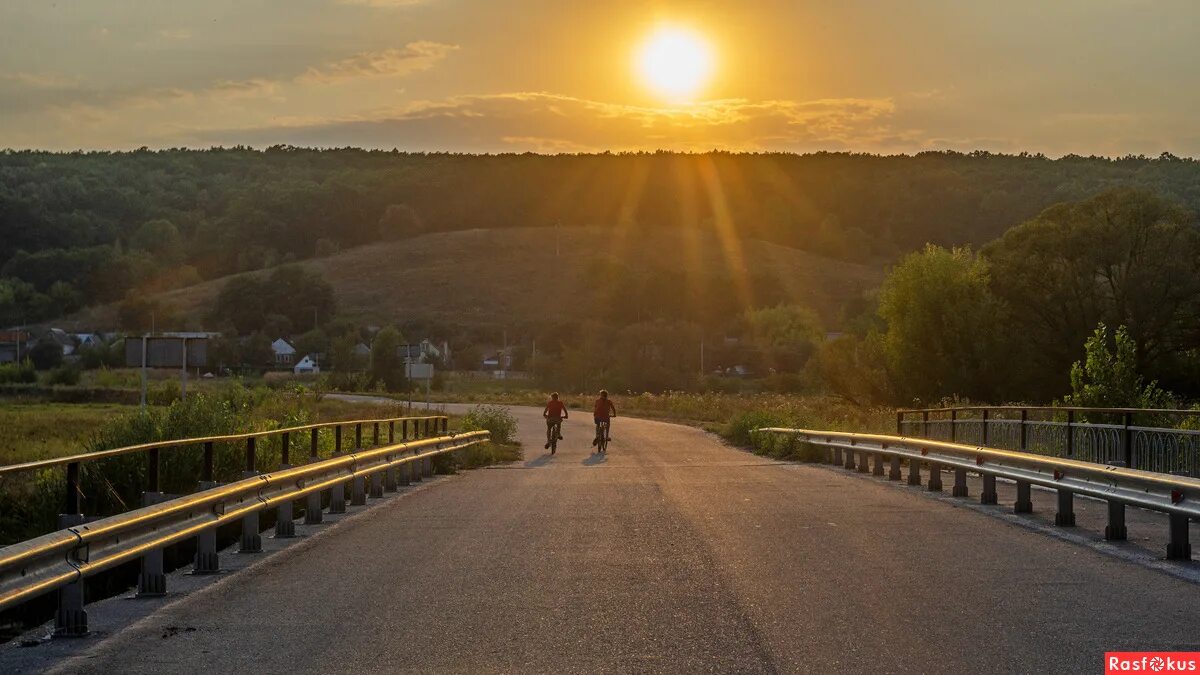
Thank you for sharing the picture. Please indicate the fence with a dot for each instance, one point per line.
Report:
(1177, 496)
(1135, 438)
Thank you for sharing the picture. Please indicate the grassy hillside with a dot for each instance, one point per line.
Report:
(510, 277)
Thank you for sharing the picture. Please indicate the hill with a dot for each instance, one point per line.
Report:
(476, 280)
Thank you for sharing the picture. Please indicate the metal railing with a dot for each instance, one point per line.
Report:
(1177, 496)
(72, 503)
(1099, 435)
(62, 559)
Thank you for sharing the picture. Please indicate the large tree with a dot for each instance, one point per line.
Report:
(1124, 258)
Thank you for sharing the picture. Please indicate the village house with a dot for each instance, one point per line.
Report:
(285, 353)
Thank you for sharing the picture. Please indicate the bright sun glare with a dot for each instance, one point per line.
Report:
(675, 62)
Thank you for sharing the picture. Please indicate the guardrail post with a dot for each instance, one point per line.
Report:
(358, 485)
(285, 525)
(1070, 433)
(878, 465)
(1024, 503)
(935, 477)
(1024, 429)
(1127, 439)
(337, 493)
(428, 468)
(71, 620)
(389, 476)
(418, 466)
(1178, 547)
(1066, 509)
(312, 507)
(152, 580)
(914, 472)
(72, 506)
(1115, 530)
(988, 496)
(251, 539)
(445, 425)
(849, 459)
(894, 473)
(960, 483)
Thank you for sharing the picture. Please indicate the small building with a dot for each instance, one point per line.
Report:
(306, 366)
(61, 338)
(13, 343)
(285, 353)
(424, 352)
(362, 351)
(88, 340)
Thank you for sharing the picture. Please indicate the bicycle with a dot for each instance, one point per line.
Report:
(554, 432)
(602, 437)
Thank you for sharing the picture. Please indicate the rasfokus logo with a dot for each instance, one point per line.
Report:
(1151, 662)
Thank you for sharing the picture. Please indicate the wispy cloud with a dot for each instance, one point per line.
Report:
(547, 122)
(381, 3)
(412, 57)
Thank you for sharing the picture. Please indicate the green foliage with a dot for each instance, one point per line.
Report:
(492, 418)
(249, 301)
(943, 326)
(387, 367)
(46, 355)
(64, 375)
(739, 427)
(18, 373)
(1123, 258)
(1109, 377)
(786, 335)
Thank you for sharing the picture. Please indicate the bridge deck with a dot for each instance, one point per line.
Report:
(674, 553)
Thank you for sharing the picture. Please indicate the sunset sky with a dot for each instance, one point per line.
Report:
(1054, 76)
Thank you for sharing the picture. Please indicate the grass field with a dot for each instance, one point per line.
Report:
(30, 431)
(504, 277)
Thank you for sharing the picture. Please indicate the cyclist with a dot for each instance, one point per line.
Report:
(555, 412)
(603, 412)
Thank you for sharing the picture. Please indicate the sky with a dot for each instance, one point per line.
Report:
(1106, 77)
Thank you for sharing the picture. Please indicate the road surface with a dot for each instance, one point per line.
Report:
(674, 553)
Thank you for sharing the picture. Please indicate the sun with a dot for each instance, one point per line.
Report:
(675, 62)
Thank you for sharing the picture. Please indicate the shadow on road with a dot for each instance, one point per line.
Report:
(540, 461)
(594, 459)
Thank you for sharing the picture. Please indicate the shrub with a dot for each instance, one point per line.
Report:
(493, 418)
(737, 429)
(14, 373)
(63, 375)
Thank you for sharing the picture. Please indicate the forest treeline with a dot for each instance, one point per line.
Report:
(78, 229)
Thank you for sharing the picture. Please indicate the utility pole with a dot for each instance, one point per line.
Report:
(183, 373)
(702, 371)
(144, 338)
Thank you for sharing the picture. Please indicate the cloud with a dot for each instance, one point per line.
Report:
(412, 57)
(547, 122)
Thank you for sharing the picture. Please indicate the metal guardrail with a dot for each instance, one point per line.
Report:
(62, 559)
(1100, 435)
(420, 427)
(1177, 496)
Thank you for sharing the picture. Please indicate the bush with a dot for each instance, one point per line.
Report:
(14, 373)
(493, 418)
(737, 429)
(63, 375)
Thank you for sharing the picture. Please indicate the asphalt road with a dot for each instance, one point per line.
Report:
(673, 553)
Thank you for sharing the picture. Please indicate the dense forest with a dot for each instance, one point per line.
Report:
(82, 228)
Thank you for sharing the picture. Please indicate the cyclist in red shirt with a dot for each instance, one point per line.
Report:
(603, 412)
(554, 413)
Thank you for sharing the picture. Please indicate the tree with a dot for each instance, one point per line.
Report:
(1125, 257)
(943, 327)
(1109, 378)
(386, 364)
(46, 354)
(256, 351)
(785, 335)
(342, 354)
(160, 238)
